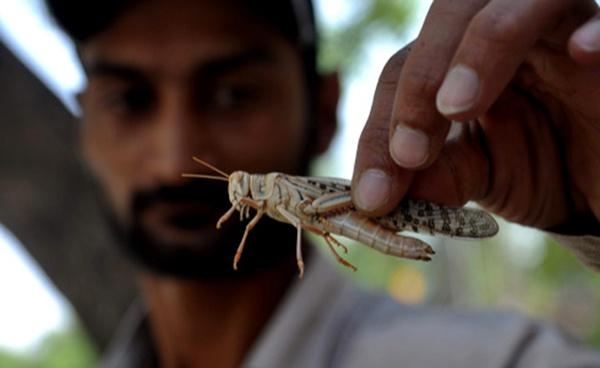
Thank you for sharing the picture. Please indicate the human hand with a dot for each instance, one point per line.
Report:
(525, 74)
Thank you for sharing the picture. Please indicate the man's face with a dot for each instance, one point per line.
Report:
(169, 80)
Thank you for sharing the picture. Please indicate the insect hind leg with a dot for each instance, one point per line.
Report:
(331, 241)
(238, 254)
(336, 242)
(226, 216)
(328, 238)
(298, 224)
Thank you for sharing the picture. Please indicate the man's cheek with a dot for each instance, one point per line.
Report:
(115, 188)
(118, 199)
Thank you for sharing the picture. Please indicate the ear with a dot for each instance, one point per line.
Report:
(327, 103)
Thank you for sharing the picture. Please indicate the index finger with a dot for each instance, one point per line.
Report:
(379, 182)
(418, 130)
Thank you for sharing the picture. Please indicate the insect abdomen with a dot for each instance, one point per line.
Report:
(352, 225)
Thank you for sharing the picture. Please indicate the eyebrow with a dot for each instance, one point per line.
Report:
(117, 69)
(213, 67)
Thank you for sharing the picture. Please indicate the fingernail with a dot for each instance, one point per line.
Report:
(409, 147)
(459, 90)
(373, 189)
(588, 37)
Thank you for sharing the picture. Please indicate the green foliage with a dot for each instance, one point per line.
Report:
(572, 291)
(11, 359)
(342, 47)
(69, 348)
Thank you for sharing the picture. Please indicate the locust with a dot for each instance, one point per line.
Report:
(323, 206)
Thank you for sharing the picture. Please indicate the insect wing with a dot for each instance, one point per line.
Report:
(315, 187)
(434, 219)
(411, 215)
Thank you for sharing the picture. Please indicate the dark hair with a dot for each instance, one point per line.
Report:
(83, 19)
(295, 19)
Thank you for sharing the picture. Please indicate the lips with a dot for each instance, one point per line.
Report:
(181, 216)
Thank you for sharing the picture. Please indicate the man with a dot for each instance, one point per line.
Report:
(234, 83)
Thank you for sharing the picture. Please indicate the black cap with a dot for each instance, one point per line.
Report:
(83, 19)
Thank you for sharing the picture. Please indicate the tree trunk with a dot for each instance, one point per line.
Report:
(49, 202)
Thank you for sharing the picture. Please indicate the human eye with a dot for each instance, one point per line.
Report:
(128, 100)
(231, 96)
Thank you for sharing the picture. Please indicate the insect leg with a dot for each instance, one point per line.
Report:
(336, 242)
(251, 202)
(333, 201)
(299, 259)
(251, 224)
(330, 240)
(247, 203)
(298, 224)
(225, 217)
(329, 202)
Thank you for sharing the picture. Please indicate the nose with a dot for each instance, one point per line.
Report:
(179, 135)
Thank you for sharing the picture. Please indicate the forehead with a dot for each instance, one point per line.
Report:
(173, 35)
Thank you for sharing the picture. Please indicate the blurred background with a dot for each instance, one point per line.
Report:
(520, 269)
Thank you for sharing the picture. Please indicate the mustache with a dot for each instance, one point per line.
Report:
(210, 192)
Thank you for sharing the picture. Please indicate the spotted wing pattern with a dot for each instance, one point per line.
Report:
(418, 216)
(318, 186)
(413, 215)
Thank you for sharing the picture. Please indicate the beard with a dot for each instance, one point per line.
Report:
(211, 255)
(270, 243)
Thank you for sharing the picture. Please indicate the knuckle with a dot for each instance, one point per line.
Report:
(374, 138)
(498, 27)
(397, 60)
(393, 66)
(422, 81)
(386, 87)
(373, 149)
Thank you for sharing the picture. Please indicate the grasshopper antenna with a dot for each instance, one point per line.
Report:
(204, 163)
(198, 176)
(224, 177)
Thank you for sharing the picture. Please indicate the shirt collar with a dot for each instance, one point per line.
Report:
(302, 316)
(292, 329)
